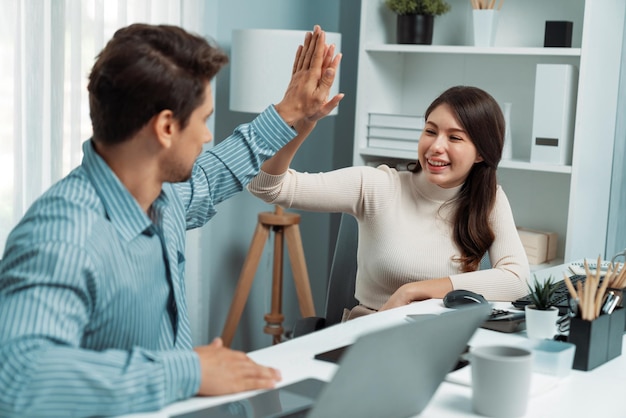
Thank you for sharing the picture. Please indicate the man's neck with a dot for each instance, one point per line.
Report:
(135, 168)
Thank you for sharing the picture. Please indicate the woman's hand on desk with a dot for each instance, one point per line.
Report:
(416, 291)
(227, 371)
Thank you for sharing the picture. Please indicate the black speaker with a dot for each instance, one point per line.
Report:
(558, 33)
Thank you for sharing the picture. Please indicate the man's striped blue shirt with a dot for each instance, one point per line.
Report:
(93, 316)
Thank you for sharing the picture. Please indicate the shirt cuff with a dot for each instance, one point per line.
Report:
(182, 374)
(273, 129)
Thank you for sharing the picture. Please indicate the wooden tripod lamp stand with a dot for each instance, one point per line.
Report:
(251, 90)
(285, 226)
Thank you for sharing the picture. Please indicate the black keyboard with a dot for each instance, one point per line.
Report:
(560, 298)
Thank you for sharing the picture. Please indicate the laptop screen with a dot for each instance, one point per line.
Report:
(409, 362)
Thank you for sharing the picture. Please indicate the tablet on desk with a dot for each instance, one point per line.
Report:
(288, 401)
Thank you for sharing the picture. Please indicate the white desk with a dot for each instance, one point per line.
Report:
(597, 393)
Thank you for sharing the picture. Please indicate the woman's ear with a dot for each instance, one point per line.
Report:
(165, 127)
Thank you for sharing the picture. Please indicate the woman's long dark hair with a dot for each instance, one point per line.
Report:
(481, 117)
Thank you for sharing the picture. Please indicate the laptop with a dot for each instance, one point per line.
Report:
(393, 372)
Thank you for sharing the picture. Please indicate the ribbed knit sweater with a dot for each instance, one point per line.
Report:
(405, 231)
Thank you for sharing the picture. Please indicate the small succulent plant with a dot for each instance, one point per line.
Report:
(418, 7)
(541, 293)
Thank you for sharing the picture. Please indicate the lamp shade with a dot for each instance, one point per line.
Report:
(261, 65)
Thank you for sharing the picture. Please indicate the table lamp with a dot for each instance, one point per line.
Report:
(261, 64)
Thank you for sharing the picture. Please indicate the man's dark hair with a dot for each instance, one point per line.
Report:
(145, 69)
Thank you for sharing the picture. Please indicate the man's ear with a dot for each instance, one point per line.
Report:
(165, 127)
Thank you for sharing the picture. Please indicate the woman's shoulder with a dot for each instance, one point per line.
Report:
(386, 167)
(383, 173)
(386, 170)
(500, 193)
(501, 201)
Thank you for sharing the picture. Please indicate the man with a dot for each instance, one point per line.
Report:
(92, 297)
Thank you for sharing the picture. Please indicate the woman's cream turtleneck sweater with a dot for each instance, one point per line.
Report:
(405, 232)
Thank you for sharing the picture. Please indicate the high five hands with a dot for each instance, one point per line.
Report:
(314, 69)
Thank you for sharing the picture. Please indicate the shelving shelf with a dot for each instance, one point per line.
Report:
(451, 49)
(509, 164)
(526, 165)
(571, 200)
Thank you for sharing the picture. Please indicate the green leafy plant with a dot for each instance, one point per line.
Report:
(541, 293)
(418, 7)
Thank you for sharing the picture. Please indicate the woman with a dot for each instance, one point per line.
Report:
(423, 232)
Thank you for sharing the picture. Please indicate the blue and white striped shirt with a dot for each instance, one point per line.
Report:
(93, 317)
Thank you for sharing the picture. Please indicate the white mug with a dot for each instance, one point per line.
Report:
(500, 380)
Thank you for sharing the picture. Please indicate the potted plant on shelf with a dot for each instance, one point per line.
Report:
(415, 19)
(541, 315)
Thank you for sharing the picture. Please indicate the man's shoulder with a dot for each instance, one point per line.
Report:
(69, 206)
(74, 194)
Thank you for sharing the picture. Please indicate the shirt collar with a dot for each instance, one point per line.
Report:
(120, 206)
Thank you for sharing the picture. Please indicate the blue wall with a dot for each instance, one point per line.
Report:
(227, 237)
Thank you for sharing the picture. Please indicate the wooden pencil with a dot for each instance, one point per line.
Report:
(598, 269)
(620, 281)
(591, 297)
(591, 287)
(570, 287)
(587, 272)
(602, 292)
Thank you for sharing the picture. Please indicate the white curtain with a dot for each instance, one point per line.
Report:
(47, 48)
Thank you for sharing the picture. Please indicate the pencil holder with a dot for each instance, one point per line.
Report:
(617, 324)
(597, 341)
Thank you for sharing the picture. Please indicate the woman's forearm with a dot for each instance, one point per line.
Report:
(281, 161)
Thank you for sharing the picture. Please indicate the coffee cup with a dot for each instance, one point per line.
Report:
(501, 378)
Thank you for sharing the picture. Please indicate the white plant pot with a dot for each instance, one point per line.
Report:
(541, 324)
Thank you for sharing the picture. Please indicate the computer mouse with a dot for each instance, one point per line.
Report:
(460, 297)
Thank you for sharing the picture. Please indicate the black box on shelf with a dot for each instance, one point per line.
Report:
(597, 341)
(558, 33)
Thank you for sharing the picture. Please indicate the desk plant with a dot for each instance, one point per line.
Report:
(415, 19)
(541, 315)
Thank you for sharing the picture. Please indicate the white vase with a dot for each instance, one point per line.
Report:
(541, 324)
(485, 24)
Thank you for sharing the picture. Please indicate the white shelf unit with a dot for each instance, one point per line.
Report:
(570, 200)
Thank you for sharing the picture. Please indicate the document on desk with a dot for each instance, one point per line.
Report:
(540, 383)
